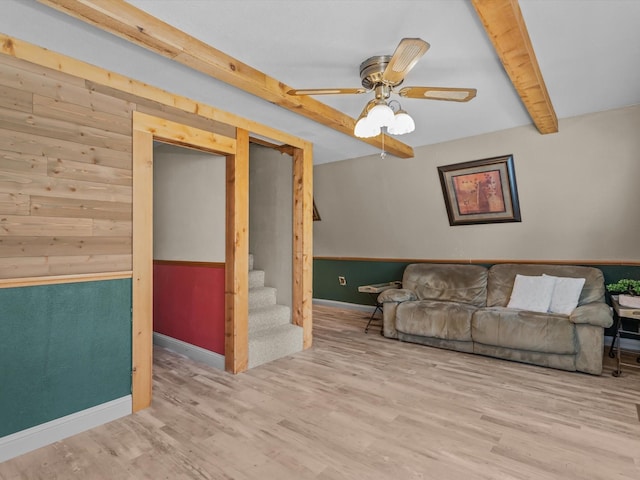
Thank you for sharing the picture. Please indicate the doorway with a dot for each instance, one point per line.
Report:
(189, 252)
(146, 128)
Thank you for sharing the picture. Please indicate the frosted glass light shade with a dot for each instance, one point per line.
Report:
(365, 128)
(381, 115)
(402, 123)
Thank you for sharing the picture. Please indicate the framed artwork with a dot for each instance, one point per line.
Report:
(316, 214)
(480, 191)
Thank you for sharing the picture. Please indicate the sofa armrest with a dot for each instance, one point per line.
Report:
(397, 295)
(390, 299)
(595, 313)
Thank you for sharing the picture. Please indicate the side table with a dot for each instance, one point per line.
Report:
(374, 290)
(620, 312)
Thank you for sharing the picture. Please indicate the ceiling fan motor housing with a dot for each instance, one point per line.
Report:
(371, 71)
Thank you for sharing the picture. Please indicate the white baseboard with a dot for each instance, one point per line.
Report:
(193, 352)
(35, 437)
(337, 304)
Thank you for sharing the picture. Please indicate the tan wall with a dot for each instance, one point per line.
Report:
(66, 171)
(188, 205)
(577, 188)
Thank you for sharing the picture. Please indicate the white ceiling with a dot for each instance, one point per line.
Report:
(588, 51)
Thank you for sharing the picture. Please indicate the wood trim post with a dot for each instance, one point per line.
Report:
(142, 294)
(303, 242)
(236, 349)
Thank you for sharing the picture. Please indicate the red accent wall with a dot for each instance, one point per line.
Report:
(188, 303)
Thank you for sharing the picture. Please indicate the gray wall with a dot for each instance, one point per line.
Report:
(578, 192)
(188, 205)
(271, 218)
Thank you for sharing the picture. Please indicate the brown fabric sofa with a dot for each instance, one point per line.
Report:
(464, 308)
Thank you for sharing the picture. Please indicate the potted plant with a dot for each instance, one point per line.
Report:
(628, 292)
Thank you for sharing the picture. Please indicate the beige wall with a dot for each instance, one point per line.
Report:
(189, 205)
(271, 218)
(578, 191)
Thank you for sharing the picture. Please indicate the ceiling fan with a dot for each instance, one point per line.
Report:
(382, 74)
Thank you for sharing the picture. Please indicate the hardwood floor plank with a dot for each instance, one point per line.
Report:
(360, 406)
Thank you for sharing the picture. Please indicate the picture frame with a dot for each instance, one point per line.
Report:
(316, 214)
(481, 191)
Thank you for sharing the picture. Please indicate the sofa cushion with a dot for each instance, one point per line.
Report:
(433, 318)
(524, 330)
(447, 282)
(501, 278)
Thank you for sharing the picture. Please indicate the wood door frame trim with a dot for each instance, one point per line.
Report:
(145, 128)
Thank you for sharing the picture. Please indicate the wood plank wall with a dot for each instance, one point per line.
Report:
(65, 175)
(66, 171)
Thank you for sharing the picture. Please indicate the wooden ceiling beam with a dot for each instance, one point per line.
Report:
(126, 21)
(505, 26)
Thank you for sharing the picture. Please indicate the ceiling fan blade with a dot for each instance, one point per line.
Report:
(327, 91)
(439, 93)
(407, 54)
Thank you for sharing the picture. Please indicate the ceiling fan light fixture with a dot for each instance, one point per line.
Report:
(382, 74)
(365, 128)
(381, 115)
(402, 123)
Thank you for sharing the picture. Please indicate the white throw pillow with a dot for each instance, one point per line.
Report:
(531, 293)
(566, 294)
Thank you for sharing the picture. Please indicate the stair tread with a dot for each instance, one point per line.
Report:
(267, 308)
(262, 289)
(276, 330)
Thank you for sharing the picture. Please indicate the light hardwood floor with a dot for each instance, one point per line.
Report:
(359, 406)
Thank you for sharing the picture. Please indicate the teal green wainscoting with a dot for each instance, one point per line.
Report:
(367, 271)
(63, 348)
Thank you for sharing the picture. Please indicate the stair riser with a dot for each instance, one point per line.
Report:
(261, 297)
(264, 318)
(271, 347)
(256, 278)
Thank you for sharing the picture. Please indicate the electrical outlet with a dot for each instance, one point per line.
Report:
(342, 281)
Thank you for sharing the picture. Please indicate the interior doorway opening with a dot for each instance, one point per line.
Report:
(189, 252)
